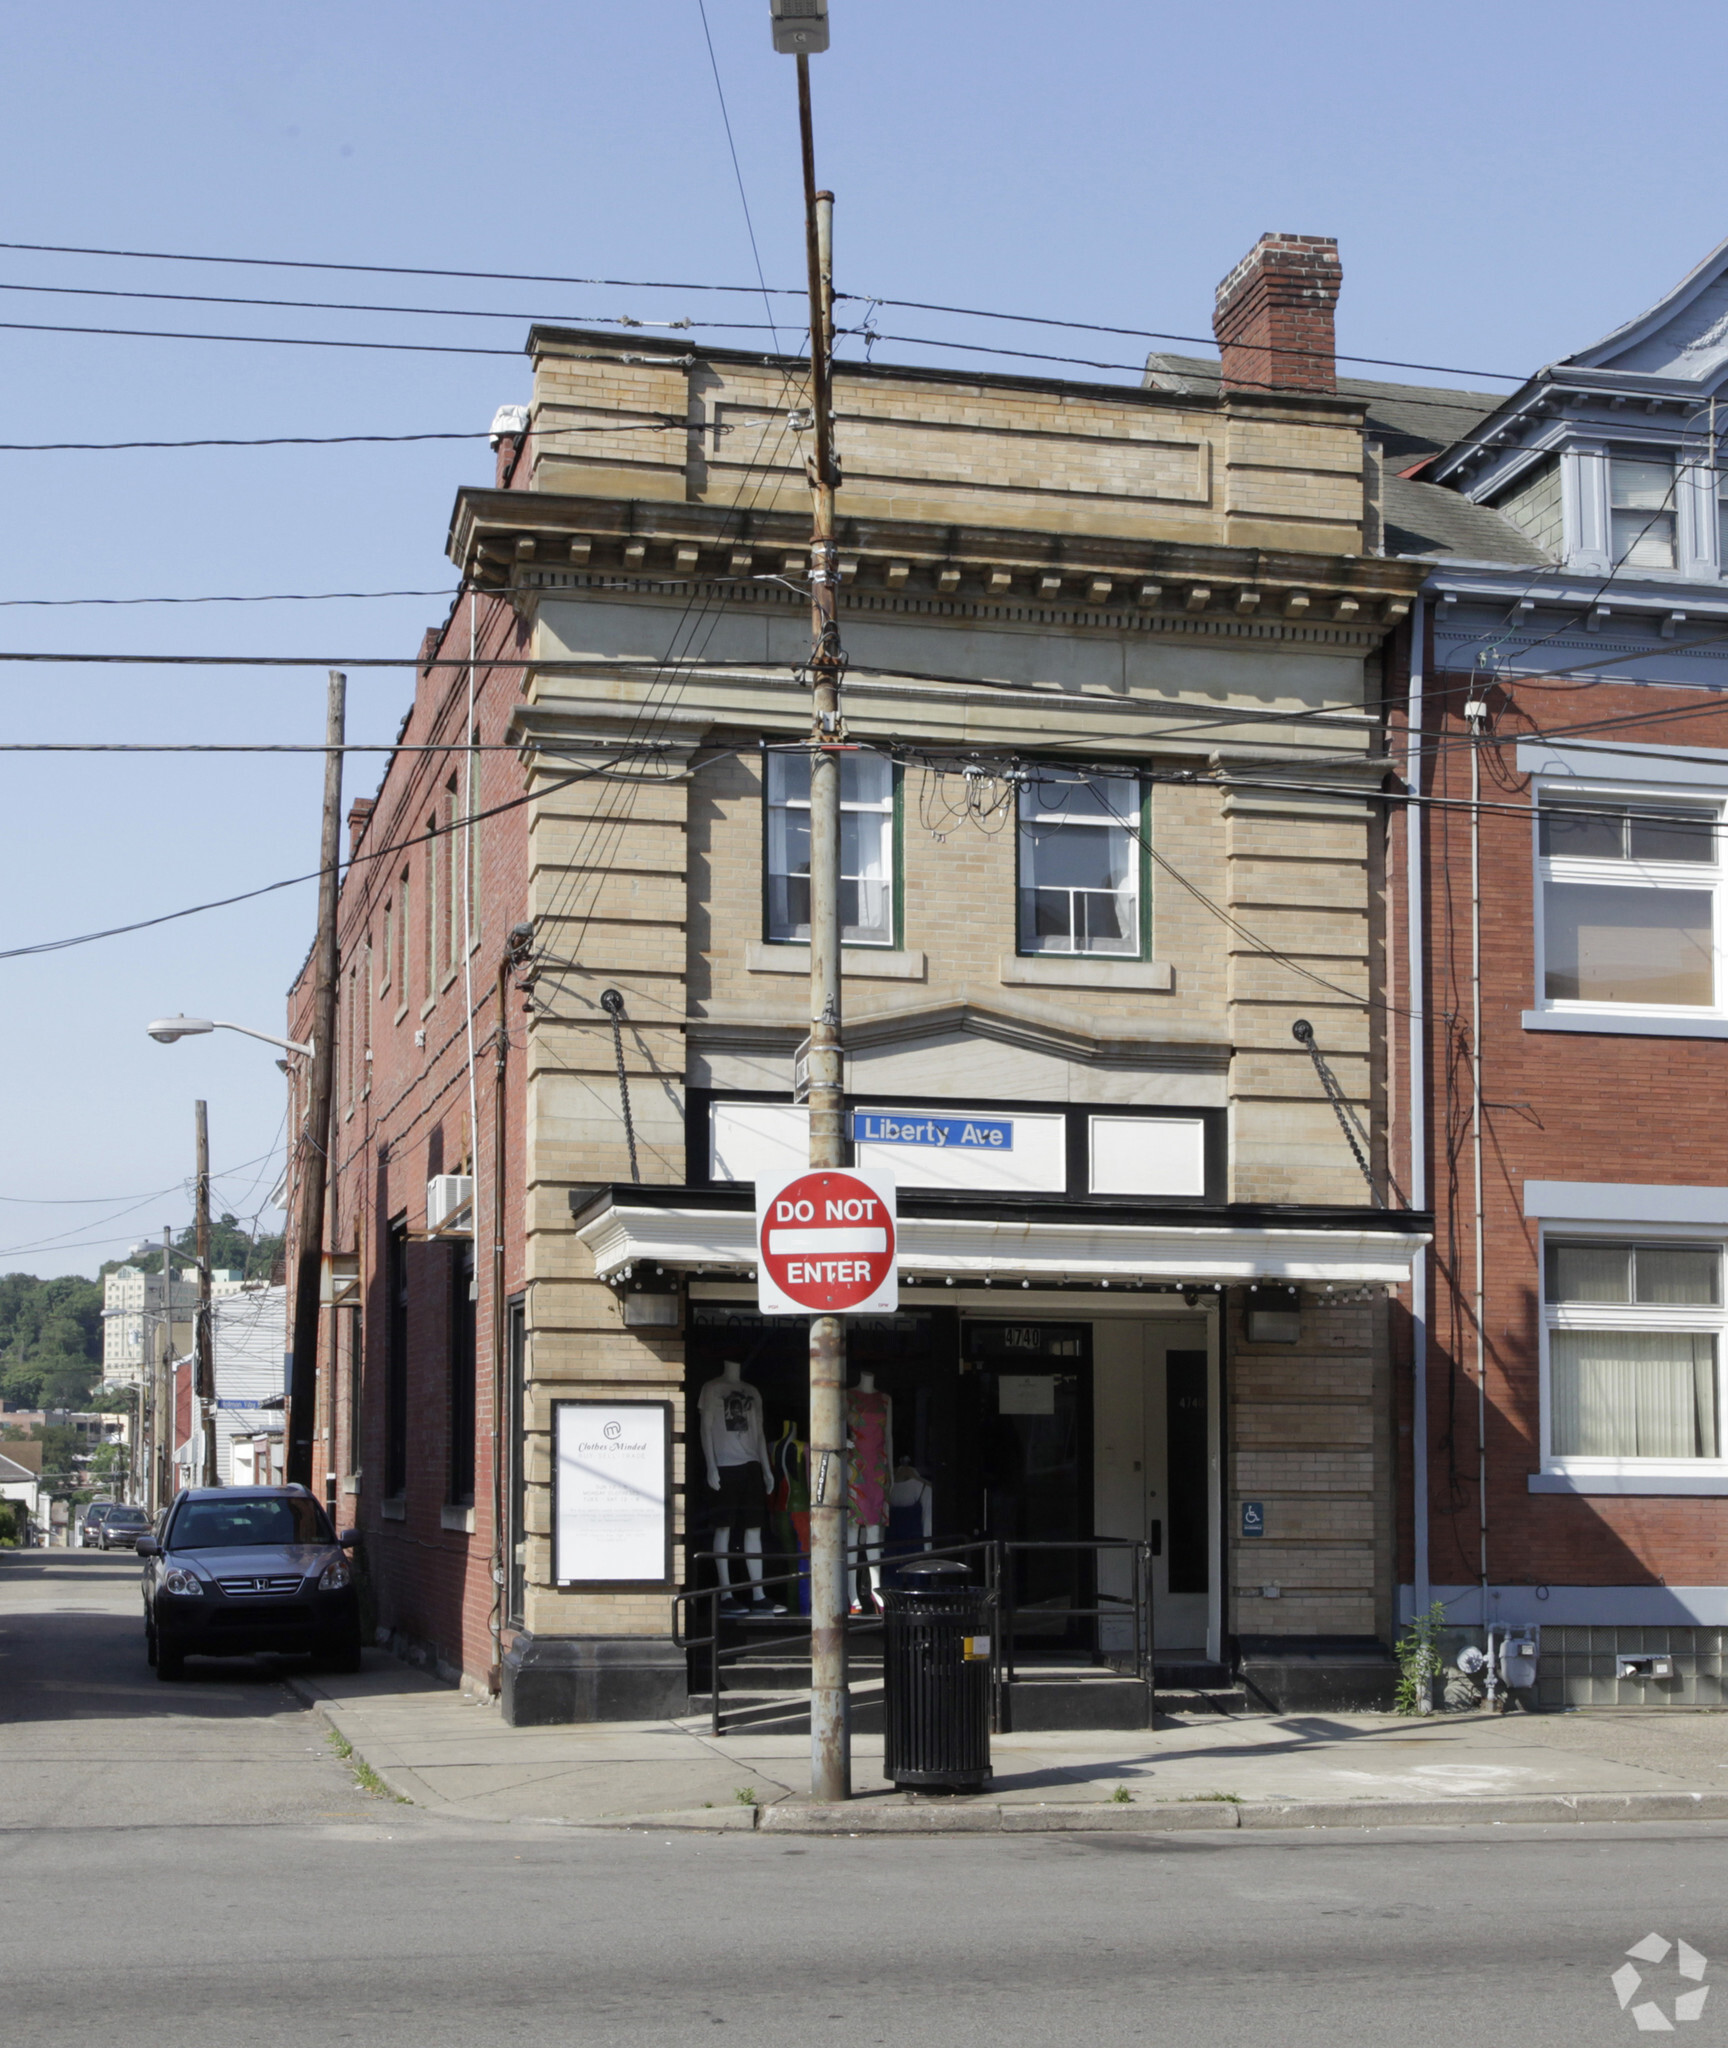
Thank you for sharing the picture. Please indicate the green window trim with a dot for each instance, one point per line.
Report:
(896, 869)
(1143, 844)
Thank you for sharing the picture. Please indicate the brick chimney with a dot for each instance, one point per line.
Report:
(1273, 316)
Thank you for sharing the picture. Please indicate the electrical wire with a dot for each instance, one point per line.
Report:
(658, 425)
(651, 285)
(396, 270)
(294, 881)
(267, 597)
(738, 172)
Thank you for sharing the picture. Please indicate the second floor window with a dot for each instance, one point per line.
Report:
(1641, 510)
(1080, 863)
(1629, 903)
(866, 848)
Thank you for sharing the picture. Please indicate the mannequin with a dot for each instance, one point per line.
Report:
(735, 1451)
(870, 1428)
(911, 1513)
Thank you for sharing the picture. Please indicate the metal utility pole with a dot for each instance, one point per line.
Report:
(309, 1227)
(800, 27)
(205, 1334)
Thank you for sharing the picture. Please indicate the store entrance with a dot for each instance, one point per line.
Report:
(1029, 1388)
(989, 1433)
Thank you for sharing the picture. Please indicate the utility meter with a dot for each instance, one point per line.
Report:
(1518, 1659)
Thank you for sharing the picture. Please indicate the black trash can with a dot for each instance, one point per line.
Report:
(937, 1667)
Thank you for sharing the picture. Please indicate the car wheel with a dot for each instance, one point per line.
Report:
(150, 1645)
(170, 1664)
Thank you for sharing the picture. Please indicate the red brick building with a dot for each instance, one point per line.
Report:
(1557, 1007)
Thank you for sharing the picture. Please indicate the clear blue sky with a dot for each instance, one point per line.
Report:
(1507, 183)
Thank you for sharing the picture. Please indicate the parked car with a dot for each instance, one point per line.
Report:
(239, 1569)
(121, 1528)
(90, 1523)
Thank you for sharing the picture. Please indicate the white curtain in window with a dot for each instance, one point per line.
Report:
(1632, 1394)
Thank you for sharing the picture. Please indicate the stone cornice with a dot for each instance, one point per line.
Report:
(536, 544)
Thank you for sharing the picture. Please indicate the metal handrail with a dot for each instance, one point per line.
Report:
(1138, 1600)
(996, 1555)
(713, 1595)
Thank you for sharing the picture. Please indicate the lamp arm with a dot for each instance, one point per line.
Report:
(287, 1044)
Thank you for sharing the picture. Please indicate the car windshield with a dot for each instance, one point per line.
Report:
(129, 1518)
(242, 1524)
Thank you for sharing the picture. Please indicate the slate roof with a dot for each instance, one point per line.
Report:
(1411, 422)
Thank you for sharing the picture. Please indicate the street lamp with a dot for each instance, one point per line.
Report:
(166, 1030)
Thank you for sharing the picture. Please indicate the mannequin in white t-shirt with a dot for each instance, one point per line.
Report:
(735, 1452)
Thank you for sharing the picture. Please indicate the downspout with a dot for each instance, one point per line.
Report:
(1476, 713)
(1417, 983)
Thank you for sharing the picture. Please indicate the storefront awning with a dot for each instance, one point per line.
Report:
(1037, 1240)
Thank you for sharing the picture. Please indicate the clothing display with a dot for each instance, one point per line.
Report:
(729, 1412)
(867, 1411)
(911, 1517)
(743, 1498)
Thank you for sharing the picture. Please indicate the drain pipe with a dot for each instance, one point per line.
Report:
(1476, 714)
(1417, 980)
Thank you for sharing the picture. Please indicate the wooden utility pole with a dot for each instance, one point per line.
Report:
(162, 1444)
(830, 1730)
(314, 1138)
(206, 1334)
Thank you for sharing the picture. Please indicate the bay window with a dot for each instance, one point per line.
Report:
(1080, 863)
(1633, 1336)
(867, 835)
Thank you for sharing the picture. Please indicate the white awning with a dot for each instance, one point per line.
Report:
(625, 1235)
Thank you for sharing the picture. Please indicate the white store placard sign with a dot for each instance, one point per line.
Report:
(612, 1493)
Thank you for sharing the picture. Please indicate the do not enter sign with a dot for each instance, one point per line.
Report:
(825, 1244)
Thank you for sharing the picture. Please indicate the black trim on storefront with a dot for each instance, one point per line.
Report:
(739, 1197)
(698, 1117)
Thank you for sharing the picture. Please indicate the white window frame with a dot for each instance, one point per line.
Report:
(886, 808)
(1559, 793)
(1688, 1318)
(1655, 457)
(1132, 824)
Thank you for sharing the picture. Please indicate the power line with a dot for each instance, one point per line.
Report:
(637, 284)
(651, 751)
(660, 425)
(86, 291)
(267, 597)
(737, 171)
(776, 291)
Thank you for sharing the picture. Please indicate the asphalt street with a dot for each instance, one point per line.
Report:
(193, 1863)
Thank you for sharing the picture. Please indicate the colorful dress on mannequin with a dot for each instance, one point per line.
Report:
(867, 1419)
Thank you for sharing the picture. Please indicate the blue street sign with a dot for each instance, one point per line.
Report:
(956, 1133)
(1253, 1518)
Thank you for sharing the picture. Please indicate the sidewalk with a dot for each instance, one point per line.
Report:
(453, 1755)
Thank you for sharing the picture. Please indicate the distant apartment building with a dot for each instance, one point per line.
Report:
(133, 1304)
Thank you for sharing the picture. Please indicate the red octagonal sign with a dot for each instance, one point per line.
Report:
(825, 1244)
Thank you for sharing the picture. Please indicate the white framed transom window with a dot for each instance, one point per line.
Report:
(1629, 912)
(1632, 1355)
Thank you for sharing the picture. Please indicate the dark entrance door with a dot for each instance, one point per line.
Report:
(1030, 1395)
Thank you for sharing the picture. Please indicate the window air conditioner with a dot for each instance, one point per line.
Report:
(450, 1205)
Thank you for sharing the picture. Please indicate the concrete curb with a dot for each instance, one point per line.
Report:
(962, 1816)
(1198, 1816)
(325, 1710)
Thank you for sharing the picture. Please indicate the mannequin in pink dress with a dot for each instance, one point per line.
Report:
(870, 1428)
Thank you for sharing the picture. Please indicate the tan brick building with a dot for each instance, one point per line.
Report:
(1112, 827)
